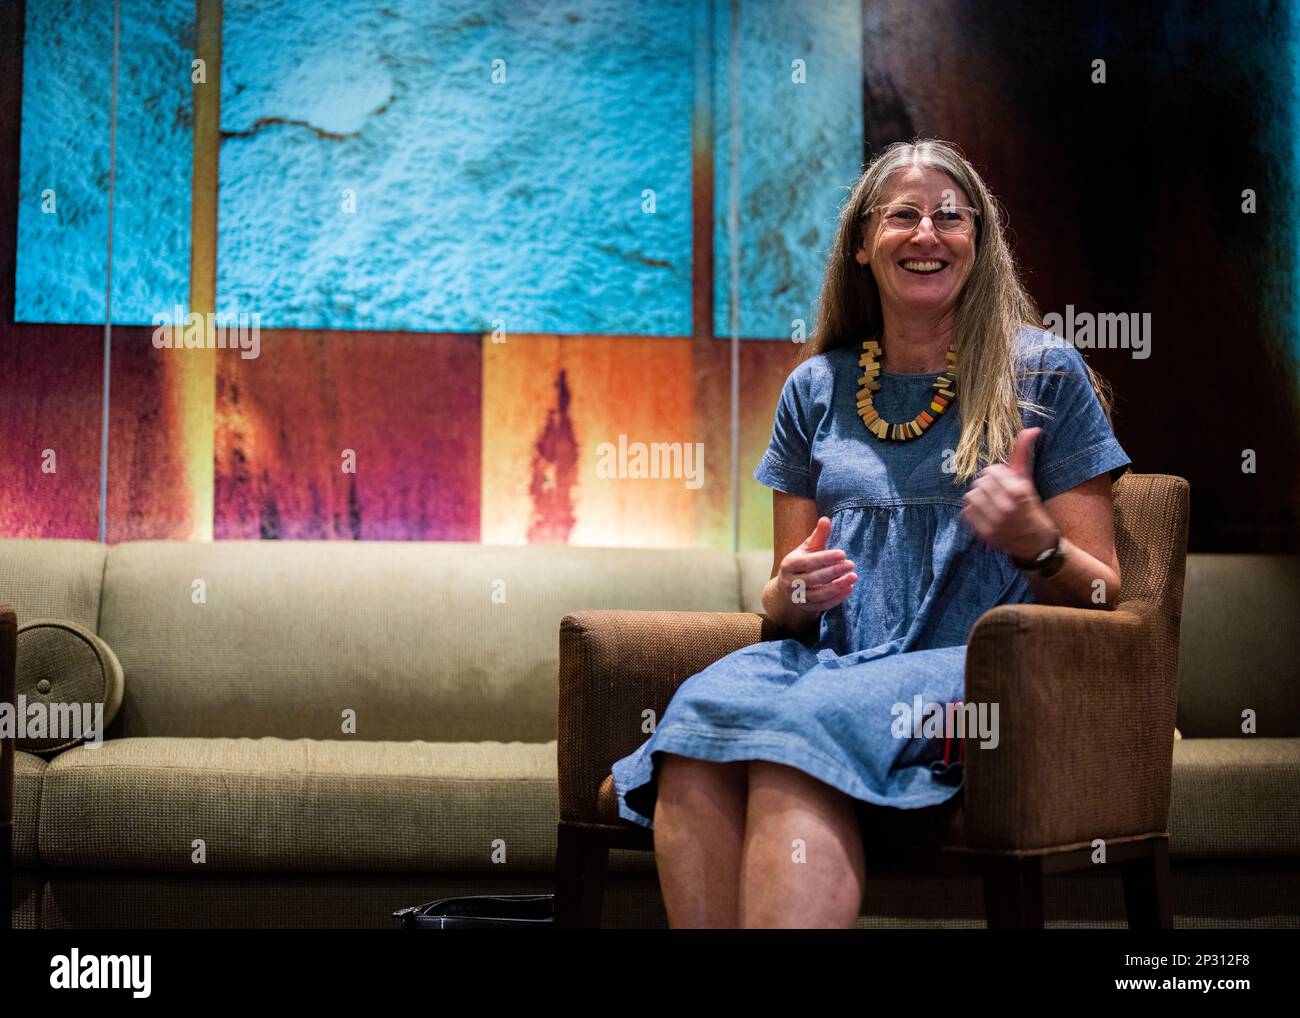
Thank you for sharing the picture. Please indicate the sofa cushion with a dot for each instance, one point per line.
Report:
(442, 641)
(52, 579)
(1235, 799)
(288, 805)
(29, 772)
(1235, 655)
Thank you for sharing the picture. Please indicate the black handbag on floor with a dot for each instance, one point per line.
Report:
(481, 912)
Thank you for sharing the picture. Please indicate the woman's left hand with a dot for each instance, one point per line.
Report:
(1003, 507)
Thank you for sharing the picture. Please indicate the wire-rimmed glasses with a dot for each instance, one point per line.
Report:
(902, 217)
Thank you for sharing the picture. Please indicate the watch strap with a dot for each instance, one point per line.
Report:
(1047, 561)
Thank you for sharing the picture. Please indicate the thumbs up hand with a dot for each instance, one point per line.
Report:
(1002, 507)
(1022, 453)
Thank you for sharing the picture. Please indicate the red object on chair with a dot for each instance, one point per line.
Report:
(947, 745)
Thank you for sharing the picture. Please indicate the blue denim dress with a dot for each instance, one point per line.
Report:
(829, 705)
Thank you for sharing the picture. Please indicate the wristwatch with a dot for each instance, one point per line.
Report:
(1046, 563)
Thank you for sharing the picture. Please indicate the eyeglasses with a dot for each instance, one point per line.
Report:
(899, 217)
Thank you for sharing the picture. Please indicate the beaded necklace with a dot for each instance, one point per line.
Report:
(946, 383)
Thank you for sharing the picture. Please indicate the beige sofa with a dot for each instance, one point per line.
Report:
(228, 793)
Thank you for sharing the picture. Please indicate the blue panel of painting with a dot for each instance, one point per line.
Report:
(155, 144)
(64, 177)
(63, 166)
(402, 164)
(800, 152)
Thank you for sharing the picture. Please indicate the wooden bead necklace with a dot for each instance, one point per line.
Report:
(946, 383)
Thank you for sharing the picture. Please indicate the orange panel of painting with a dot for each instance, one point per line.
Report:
(148, 497)
(50, 419)
(764, 366)
(569, 424)
(350, 435)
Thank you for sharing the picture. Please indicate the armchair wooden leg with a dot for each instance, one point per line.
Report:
(1013, 893)
(1147, 897)
(581, 859)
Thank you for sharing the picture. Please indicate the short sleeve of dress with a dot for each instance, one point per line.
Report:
(1077, 442)
(787, 463)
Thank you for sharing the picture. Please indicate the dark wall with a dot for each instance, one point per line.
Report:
(1127, 197)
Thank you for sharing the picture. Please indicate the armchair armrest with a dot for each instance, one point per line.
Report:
(616, 664)
(1087, 700)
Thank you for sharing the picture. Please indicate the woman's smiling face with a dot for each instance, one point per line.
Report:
(924, 270)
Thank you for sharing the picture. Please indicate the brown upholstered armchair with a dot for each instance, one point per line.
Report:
(1087, 699)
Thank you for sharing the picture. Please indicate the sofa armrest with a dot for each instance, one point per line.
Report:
(616, 664)
(1087, 701)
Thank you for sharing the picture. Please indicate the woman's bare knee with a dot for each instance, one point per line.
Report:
(795, 818)
(699, 830)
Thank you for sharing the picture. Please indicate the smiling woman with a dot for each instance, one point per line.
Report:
(786, 739)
